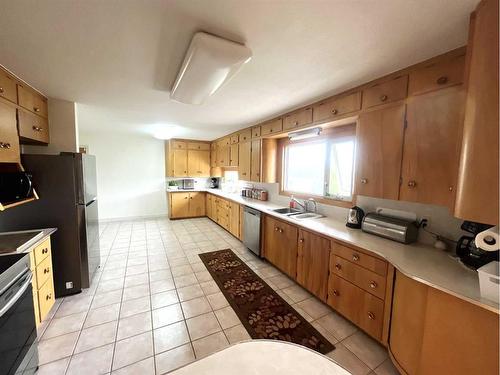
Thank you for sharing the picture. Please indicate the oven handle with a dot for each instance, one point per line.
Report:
(16, 296)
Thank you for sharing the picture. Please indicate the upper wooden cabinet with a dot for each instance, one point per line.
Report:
(223, 155)
(9, 140)
(8, 88)
(198, 146)
(32, 128)
(280, 245)
(180, 163)
(233, 155)
(379, 137)
(245, 135)
(312, 263)
(432, 146)
(385, 92)
(256, 131)
(245, 157)
(297, 119)
(437, 75)
(336, 107)
(271, 127)
(178, 145)
(198, 163)
(187, 158)
(478, 178)
(255, 161)
(32, 101)
(235, 138)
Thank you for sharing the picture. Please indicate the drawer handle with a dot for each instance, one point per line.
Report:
(5, 145)
(46, 270)
(338, 267)
(364, 180)
(296, 123)
(442, 80)
(45, 251)
(1, 90)
(336, 293)
(373, 285)
(334, 111)
(412, 183)
(301, 240)
(281, 230)
(355, 257)
(36, 109)
(48, 296)
(276, 229)
(383, 98)
(371, 315)
(244, 174)
(37, 128)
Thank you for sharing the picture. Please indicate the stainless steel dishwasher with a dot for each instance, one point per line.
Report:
(251, 229)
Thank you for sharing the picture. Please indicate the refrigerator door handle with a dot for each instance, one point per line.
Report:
(91, 201)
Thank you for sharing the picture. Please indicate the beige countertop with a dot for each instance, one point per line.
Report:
(423, 263)
(27, 246)
(263, 357)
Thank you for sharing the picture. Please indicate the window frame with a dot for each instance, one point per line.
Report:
(329, 134)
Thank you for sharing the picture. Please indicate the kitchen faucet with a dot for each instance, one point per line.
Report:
(303, 205)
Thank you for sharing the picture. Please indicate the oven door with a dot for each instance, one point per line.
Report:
(18, 353)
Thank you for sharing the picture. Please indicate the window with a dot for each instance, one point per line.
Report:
(321, 167)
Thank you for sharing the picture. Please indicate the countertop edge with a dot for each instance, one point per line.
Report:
(46, 232)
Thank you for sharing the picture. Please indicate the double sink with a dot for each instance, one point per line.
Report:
(296, 214)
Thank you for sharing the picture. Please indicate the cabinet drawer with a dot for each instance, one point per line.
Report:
(44, 271)
(298, 119)
(365, 279)
(42, 251)
(8, 87)
(271, 127)
(437, 76)
(356, 305)
(234, 139)
(336, 107)
(177, 145)
(364, 260)
(33, 127)
(246, 135)
(385, 92)
(256, 132)
(46, 298)
(32, 101)
(198, 146)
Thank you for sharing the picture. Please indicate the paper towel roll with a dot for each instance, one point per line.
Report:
(488, 240)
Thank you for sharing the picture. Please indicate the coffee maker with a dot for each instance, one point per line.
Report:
(471, 255)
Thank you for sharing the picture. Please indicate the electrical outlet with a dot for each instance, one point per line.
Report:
(69, 285)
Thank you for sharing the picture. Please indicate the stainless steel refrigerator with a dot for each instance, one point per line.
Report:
(66, 185)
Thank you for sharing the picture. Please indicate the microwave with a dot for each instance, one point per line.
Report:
(15, 186)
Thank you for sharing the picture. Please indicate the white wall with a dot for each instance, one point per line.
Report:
(130, 174)
(63, 129)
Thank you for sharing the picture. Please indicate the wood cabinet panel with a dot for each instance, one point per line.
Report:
(437, 75)
(298, 119)
(33, 128)
(180, 162)
(256, 131)
(271, 127)
(223, 156)
(213, 158)
(255, 162)
(43, 271)
(369, 262)
(336, 107)
(9, 141)
(245, 135)
(208, 206)
(32, 101)
(385, 92)
(42, 251)
(198, 146)
(477, 190)
(234, 219)
(196, 204)
(198, 163)
(280, 245)
(432, 147)
(179, 145)
(356, 305)
(379, 137)
(365, 279)
(235, 138)
(8, 89)
(245, 160)
(234, 155)
(312, 263)
(46, 298)
(179, 205)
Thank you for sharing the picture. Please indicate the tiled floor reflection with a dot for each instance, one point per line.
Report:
(153, 307)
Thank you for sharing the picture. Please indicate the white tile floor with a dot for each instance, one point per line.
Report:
(154, 307)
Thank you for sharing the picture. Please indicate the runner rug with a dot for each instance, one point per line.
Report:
(263, 313)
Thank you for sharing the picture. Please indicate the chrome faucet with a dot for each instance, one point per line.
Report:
(311, 200)
(303, 205)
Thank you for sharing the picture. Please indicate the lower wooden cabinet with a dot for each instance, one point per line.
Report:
(183, 204)
(280, 245)
(433, 332)
(313, 257)
(43, 283)
(226, 213)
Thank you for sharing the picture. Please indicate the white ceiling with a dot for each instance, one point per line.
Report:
(118, 58)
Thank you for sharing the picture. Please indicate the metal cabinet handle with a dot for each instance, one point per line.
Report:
(338, 267)
(334, 111)
(46, 270)
(276, 229)
(49, 296)
(1, 90)
(45, 251)
(383, 98)
(281, 230)
(296, 123)
(442, 80)
(36, 109)
(355, 257)
(336, 293)
(37, 128)
(412, 183)
(364, 181)
(301, 240)
(373, 285)
(371, 315)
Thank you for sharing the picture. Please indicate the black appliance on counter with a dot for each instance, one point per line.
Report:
(355, 217)
(214, 183)
(66, 185)
(15, 186)
(18, 344)
(468, 252)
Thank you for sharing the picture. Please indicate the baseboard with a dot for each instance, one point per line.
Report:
(132, 218)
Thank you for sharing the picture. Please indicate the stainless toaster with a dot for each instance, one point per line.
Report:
(395, 229)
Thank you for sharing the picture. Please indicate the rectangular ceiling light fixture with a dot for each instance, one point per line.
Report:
(303, 134)
(210, 62)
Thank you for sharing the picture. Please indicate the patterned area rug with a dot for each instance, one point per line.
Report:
(264, 314)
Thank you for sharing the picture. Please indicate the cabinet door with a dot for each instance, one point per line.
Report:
(208, 205)
(234, 158)
(9, 140)
(193, 163)
(432, 147)
(204, 163)
(8, 87)
(180, 163)
(245, 156)
(32, 101)
(179, 205)
(234, 219)
(255, 161)
(196, 204)
(280, 245)
(223, 155)
(33, 128)
(379, 137)
(213, 158)
(312, 263)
